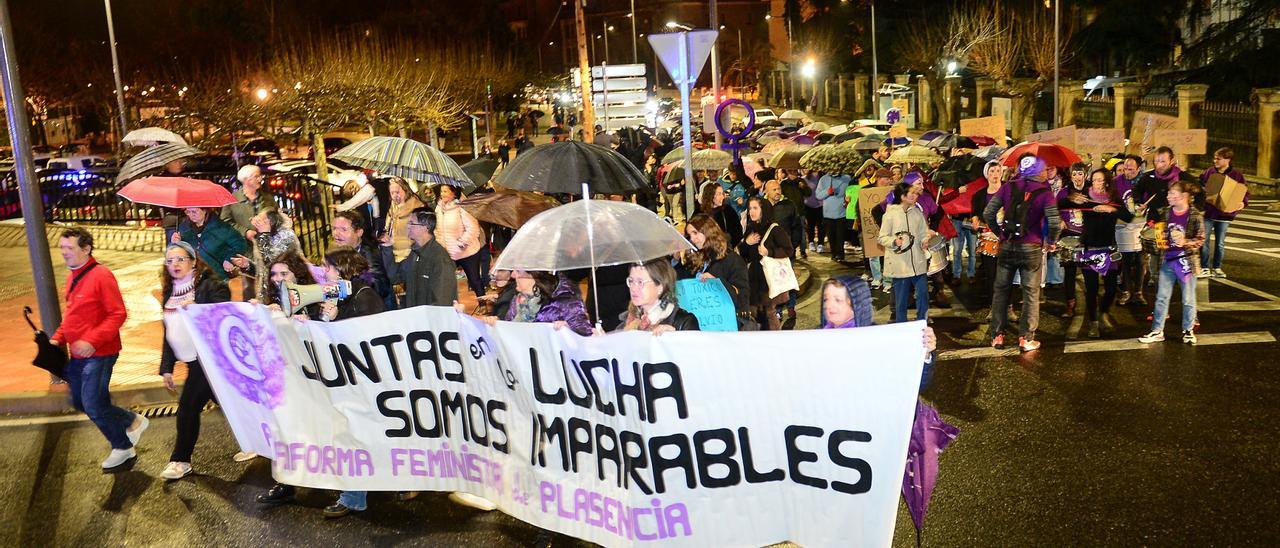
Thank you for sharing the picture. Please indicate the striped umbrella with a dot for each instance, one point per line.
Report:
(408, 159)
(153, 159)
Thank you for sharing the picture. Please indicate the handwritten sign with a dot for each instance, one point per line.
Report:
(897, 130)
(868, 199)
(1142, 134)
(1097, 141)
(903, 105)
(990, 126)
(1065, 136)
(710, 302)
(1183, 141)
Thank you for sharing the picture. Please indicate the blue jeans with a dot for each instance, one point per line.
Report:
(1025, 260)
(1164, 291)
(875, 269)
(965, 239)
(1053, 273)
(1217, 232)
(89, 379)
(902, 292)
(355, 500)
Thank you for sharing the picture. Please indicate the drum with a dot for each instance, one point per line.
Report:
(938, 260)
(988, 244)
(936, 243)
(1068, 247)
(1149, 236)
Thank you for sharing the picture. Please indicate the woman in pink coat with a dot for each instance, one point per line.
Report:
(461, 236)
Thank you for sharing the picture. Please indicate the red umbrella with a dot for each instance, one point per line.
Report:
(982, 140)
(176, 192)
(1054, 155)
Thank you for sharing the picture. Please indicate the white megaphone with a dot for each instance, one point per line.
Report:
(297, 297)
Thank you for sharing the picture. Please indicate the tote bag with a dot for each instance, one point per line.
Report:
(778, 273)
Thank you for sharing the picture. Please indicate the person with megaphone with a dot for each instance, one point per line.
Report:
(428, 271)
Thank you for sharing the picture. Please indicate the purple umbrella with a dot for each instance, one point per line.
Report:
(932, 134)
(802, 140)
(929, 436)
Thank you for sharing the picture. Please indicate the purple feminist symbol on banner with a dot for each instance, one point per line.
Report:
(736, 143)
(245, 351)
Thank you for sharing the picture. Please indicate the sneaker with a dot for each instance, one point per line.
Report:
(139, 426)
(887, 288)
(176, 471)
(866, 277)
(1095, 330)
(1218, 273)
(876, 285)
(1204, 273)
(337, 510)
(998, 341)
(243, 456)
(1152, 337)
(1028, 345)
(1123, 299)
(821, 249)
(118, 457)
(1189, 337)
(811, 248)
(479, 503)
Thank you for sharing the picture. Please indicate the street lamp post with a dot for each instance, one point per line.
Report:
(115, 70)
(635, 50)
(715, 68)
(1057, 108)
(875, 69)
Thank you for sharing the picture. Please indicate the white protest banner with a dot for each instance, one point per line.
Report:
(1142, 132)
(709, 300)
(688, 439)
(1182, 141)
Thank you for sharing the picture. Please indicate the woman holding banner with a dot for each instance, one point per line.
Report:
(653, 307)
(714, 259)
(543, 297)
(184, 280)
(846, 302)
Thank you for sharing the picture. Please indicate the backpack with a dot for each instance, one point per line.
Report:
(1014, 225)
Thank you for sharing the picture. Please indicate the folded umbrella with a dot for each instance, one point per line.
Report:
(176, 192)
(504, 207)
(929, 436)
(49, 357)
(152, 159)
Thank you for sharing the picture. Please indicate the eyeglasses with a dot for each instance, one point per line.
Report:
(176, 260)
(415, 224)
(632, 282)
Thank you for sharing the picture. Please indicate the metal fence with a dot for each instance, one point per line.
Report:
(91, 198)
(1154, 105)
(1233, 125)
(1095, 112)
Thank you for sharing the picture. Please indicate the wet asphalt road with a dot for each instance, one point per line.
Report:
(1166, 445)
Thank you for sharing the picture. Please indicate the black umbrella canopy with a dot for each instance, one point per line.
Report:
(480, 170)
(846, 136)
(958, 171)
(950, 141)
(562, 168)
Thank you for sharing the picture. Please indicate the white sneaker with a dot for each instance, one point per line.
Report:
(243, 456)
(821, 249)
(176, 471)
(866, 277)
(811, 246)
(136, 433)
(1152, 337)
(1189, 337)
(1218, 273)
(479, 503)
(118, 457)
(1204, 273)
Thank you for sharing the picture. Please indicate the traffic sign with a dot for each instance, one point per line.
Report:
(667, 46)
(619, 71)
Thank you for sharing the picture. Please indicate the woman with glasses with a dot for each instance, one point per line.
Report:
(185, 280)
(653, 307)
(543, 297)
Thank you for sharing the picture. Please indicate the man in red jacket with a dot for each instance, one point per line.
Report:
(91, 326)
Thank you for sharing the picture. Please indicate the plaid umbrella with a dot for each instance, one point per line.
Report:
(153, 159)
(406, 158)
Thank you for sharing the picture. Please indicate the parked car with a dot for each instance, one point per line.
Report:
(78, 161)
(881, 126)
(101, 205)
(763, 114)
(331, 145)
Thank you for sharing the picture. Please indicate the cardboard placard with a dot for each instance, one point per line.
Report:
(1183, 141)
(868, 199)
(710, 302)
(1065, 136)
(1097, 141)
(1225, 193)
(897, 130)
(1002, 107)
(903, 105)
(990, 126)
(1142, 133)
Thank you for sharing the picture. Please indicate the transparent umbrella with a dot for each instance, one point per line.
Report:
(617, 233)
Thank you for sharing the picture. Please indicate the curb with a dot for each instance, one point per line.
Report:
(57, 403)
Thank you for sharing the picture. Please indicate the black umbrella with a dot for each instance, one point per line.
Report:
(562, 168)
(770, 123)
(556, 130)
(846, 136)
(951, 141)
(48, 357)
(480, 170)
(958, 171)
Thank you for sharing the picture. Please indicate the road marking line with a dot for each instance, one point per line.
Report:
(1211, 339)
(1234, 240)
(1244, 306)
(982, 352)
(1256, 234)
(1267, 249)
(1246, 288)
(1254, 224)
(1244, 250)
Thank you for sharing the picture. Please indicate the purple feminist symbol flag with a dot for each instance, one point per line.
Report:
(246, 353)
(893, 116)
(929, 436)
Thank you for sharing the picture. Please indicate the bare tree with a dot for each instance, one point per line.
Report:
(939, 37)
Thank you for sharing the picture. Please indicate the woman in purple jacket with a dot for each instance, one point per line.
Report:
(543, 297)
(1217, 220)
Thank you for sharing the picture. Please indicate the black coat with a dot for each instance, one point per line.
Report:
(612, 293)
(732, 272)
(427, 274)
(210, 290)
(363, 301)
(729, 222)
(679, 319)
(778, 244)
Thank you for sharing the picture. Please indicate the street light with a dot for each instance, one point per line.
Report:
(262, 94)
(810, 68)
(675, 25)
